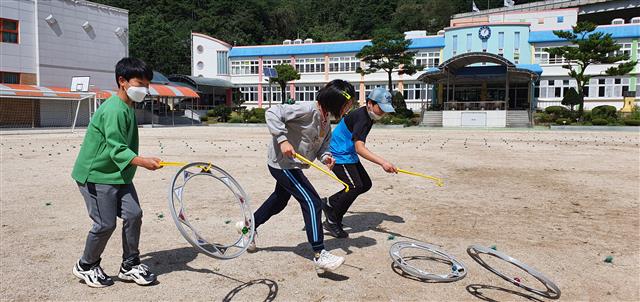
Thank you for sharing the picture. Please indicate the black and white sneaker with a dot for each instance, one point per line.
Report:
(139, 274)
(335, 229)
(329, 212)
(94, 277)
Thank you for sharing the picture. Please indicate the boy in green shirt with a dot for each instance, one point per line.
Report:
(104, 172)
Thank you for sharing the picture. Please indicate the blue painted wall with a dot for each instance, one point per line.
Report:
(492, 42)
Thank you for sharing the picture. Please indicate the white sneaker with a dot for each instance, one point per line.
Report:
(326, 261)
(252, 248)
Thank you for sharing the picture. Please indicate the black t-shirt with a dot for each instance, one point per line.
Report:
(359, 124)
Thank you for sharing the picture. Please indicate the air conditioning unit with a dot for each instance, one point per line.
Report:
(86, 25)
(617, 21)
(635, 20)
(50, 20)
(297, 41)
(120, 32)
(286, 42)
(308, 41)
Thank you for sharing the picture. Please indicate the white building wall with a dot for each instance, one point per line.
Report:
(541, 20)
(67, 50)
(19, 57)
(204, 60)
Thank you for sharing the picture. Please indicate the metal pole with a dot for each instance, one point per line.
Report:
(75, 119)
(33, 113)
(152, 112)
(173, 109)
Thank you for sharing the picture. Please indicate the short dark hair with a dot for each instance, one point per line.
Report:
(334, 95)
(130, 68)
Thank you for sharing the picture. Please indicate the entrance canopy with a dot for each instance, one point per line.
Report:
(473, 65)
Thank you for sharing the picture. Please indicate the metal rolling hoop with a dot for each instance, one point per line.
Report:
(458, 270)
(181, 218)
(552, 291)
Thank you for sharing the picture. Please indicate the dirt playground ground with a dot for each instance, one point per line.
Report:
(559, 201)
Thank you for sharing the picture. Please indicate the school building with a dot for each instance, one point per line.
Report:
(488, 68)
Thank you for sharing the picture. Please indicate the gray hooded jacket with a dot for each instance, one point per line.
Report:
(300, 124)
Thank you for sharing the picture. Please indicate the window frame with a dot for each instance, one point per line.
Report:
(3, 30)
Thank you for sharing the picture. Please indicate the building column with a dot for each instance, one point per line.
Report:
(506, 90)
(228, 99)
(292, 84)
(260, 73)
(326, 67)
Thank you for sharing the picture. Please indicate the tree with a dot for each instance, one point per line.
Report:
(286, 74)
(388, 52)
(589, 47)
(237, 99)
(571, 98)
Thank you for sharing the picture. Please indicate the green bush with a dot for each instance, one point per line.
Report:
(235, 120)
(586, 115)
(599, 122)
(393, 119)
(635, 113)
(541, 117)
(563, 121)
(204, 118)
(255, 120)
(255, 115)
(557, 111)
(222, 112)
(604, 112)
(632, 122)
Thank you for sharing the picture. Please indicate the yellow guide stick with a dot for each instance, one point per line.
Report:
(302, 158)
(181, 164)
(438, 181)
(172, 164)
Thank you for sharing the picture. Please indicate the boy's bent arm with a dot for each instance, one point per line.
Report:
(115, 124)
(362, 150)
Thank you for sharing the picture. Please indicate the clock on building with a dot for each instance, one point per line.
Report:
(484, 33)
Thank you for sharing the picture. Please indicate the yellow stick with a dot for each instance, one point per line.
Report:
(181, 164)
(172, 164)
(302, 158)
(438, 181)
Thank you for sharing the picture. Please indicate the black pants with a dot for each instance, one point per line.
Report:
(359, 182)
(293, 182)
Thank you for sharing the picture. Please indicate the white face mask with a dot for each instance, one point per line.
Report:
(137, 94)
(373, 115)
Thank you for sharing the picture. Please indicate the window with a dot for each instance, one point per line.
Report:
(427, 59)
(310, 65)
(469, 42)
(272, 63)
(554, 89)
(276, 95)
(608, 87)
(9, 30)
(455, 44)
(543, 57)
(249, 93)
(368, 88)
(501, 43)
(223, 63)
(625, 48)
(306, 92)
(560, 19)
(414, 91)
(516, 41)
(9, 78)
(343, 64)
(484, 45)
(244, 67)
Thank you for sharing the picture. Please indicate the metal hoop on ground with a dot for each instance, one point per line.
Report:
(458, 271)
(552, 292)
(186, 228)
